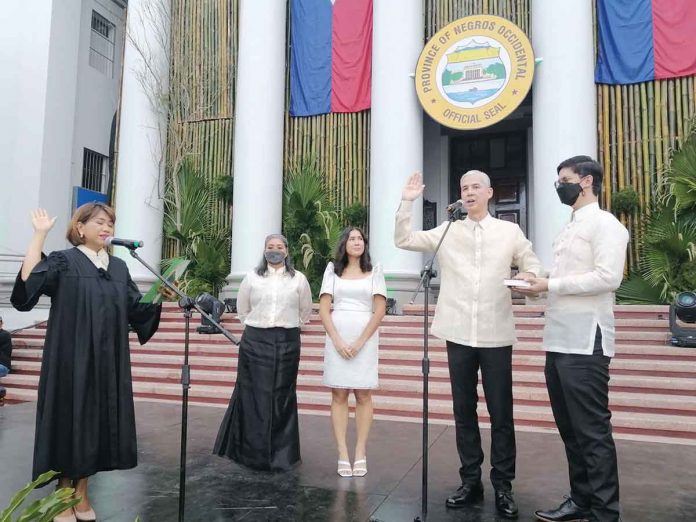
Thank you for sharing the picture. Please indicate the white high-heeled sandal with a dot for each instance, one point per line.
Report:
(344, 469)
(360, 467)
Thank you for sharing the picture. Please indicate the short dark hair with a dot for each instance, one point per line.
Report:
(82, 215)
(341, 256)
(584, 166)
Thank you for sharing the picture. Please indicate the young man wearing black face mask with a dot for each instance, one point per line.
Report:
(589, 257)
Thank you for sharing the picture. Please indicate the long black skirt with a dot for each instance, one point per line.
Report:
(260, 428)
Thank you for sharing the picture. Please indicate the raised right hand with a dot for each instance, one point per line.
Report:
(413, 188)
(41, 221)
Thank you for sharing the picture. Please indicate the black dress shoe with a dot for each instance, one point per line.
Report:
(466, 494)
(568, 511)
(505, 504)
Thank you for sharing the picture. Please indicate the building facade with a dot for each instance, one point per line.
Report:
(61, 63)
(206, 60)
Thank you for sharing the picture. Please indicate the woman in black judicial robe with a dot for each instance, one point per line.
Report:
(260, 429)
(85, 419)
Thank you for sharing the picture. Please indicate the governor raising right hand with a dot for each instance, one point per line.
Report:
(413, 188)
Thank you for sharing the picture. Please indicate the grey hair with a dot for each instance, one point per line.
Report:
(276, 236)
(484, 176)
(262, 268)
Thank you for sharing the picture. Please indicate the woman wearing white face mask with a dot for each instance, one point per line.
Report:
(260, 428)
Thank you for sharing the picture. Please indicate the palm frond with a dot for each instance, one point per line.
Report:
(637, 290)
(682, 176)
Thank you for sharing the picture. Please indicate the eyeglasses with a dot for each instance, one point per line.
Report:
(558, 183)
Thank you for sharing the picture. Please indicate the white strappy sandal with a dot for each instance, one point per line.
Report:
(344, 469)
(360, 467)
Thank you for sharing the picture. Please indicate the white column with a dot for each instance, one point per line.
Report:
(142, 134)
(258, 133)
(564, 108)
(396, 134)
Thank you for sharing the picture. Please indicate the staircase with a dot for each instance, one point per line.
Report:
(652, 390)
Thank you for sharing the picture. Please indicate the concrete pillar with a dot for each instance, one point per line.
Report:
(258, 134)
(142, 136)
(564, 108)
(396, 135)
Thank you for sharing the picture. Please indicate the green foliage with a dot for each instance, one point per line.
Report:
(668, 260)
(189, 204)
(682, 177)
(224, 188)
(636, 290)
(356, 215)
(186, 199)
(311, 221)
(625, 201)
(43, 509)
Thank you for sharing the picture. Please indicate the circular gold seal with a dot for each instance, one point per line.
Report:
(474, 72)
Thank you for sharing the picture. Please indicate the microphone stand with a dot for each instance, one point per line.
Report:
(426, 275)
(187, 304)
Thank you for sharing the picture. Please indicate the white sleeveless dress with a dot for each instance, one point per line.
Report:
(352, 310)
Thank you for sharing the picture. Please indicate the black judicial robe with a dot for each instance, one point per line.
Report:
(85, 420)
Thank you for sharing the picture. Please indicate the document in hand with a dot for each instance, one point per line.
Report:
(520, 283)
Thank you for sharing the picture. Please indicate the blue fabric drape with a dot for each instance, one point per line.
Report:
(310, 57)
(626, 50)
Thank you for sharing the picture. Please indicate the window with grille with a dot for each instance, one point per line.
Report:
(101, 45)
(94, 169)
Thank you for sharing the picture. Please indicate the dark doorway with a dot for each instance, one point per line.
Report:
(503, 156)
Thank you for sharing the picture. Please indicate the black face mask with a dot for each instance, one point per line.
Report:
(274, 257)
(568, 193)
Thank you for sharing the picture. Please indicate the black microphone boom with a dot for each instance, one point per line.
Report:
(130, 244)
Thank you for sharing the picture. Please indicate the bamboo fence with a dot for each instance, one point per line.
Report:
(203, 61)
(638, 127)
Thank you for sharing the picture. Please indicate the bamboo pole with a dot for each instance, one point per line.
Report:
(618, 110)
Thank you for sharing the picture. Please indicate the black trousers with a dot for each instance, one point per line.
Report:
(496, 374)
(579, 391)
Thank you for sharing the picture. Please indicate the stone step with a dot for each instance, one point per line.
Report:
(537, 310)
(652, 388)
(164, 353)
(646, 427)
(408, 372)
(217, 343)
(25, 374)
(203, 344)
(411, 349)
(658, 336)
(175, 322)
(650, 424)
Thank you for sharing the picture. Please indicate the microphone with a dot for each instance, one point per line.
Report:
(130, 244)
(457, 205)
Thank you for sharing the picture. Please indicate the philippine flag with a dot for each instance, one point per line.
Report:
(331, 56)
(642, 40)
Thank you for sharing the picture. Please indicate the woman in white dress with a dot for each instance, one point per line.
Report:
(351, 352)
